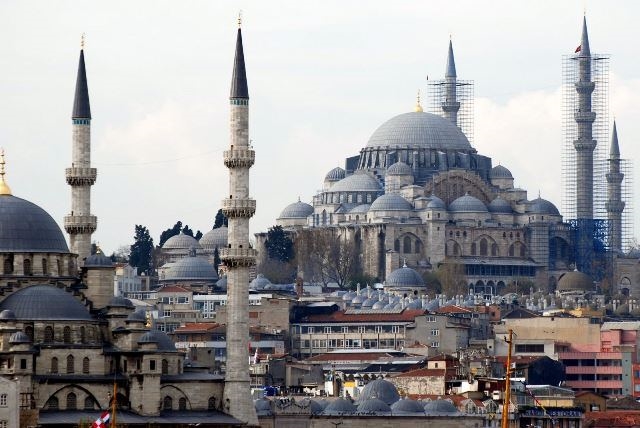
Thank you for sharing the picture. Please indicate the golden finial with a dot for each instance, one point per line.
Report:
(240, 18)
(82, 42)
(418, 107)
(4, 187)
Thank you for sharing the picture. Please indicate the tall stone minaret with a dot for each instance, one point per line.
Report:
(80, 224)
(614, 204)
(238, 256)
(450, 106)
(585, 144)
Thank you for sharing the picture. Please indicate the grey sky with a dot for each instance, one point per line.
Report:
(322, 77)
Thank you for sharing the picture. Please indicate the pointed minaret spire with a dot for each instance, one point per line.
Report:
(239, 88)
(584, 41)
(614, 150)
(451, 62)
(615, 205)
(81, 108)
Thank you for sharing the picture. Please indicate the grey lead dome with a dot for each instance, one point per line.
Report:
(297, 210)
(467, 203)
(405, 277)
(390, 202)
(45, 302)
(419, 130)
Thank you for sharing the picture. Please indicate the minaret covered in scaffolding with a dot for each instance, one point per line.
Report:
(239, 257)
(452, 98)
(615, 205)
(80, 224)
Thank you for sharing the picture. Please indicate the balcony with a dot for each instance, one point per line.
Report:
(594, 384)
(594, 370)
(235, 208)
(242, 158)
(81, 176)
(236, 257)
(80, 223)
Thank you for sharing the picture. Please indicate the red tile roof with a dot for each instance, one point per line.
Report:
(407, 315)
(196, 327)
(612, 419)
(453, 309)
(423, 372)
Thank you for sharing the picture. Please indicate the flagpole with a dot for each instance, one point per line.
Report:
(114, 402)
(506, 402)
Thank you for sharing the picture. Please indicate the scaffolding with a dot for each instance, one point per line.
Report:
(437, 96)
(626, 167)
(599, 105)
(591, 248)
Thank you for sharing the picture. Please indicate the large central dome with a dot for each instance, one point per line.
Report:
(419, 130)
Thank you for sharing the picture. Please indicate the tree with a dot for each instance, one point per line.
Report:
(198, 235)
(121, 255)
(327, 255)
(173, 231)
(187, 230)
(279, 245)
(141, 255)
(452, 279)
(221, 220)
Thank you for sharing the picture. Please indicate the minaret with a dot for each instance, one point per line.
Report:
(584, 144)
(80, 224)
(238, 256)
(450, 106)
(614, 204)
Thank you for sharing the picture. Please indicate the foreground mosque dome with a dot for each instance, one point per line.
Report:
(419, 130)
(45, 302)
(215, 238)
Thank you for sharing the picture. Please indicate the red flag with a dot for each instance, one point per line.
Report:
(578, 49)
(101, 422)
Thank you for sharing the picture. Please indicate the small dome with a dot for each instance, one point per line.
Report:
(339, 406)
(155, 336)
(406, 407)
(436, 203)
(215, 238)
(440, 408)
(358, 299)
(120, 302)
(137, 316)
(360, 209)
(181, 242)
(357, 182)
(263, 407)
(98, 260)
(259, 283)
(377, 305)
(335, 174)
(575, 281)
(373, 405)
(499, 171)
(500, 206)
(466, 204)
(419, 130)
(369, 302)
(45, 302)
(380, 389)
(399, 168)
(7, 315)
(19, 337)
(222, 283)
(542, 206)
(191, 269)
(405, 277)
(297, 210)
(390, 202)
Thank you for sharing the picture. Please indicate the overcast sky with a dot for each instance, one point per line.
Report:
(322, 77)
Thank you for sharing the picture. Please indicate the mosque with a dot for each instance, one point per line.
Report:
(420, 195)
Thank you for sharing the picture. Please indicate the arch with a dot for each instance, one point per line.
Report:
(495, 252)
(26, 264)
(450, 185)
(72, 387)
(66, 334)
(167, 403)
(52, 403)
(211, 403)
(70, 364)
(89, 403)
(453, 248)
(86, 365)
(517, 249)
(54, 365)
(483, 247)
(182, 403)
(182, 393)
(45, 267)
(48, 334)
(83, 334)
(473, 249)
(406, 245)
(28, 330)
(72, 401)
(8, 264)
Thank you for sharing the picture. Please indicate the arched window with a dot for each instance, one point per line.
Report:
(165, 367)
(473, 249)
(52, 403)
(483, 247)
(167, 403)
(70, 364)
(59, 263)
(86, 365)
(83, 334)
(182, 403)
(45, 267)
(406, 245)
(48, 334)
(8, 264)
(511, 251)
(66, 334)
(324, 217)
(522, 251)
(494, 249)
(71, 401)
(54, 365)
(28, 330)
(27, 267)
(396, 245)
(211, 403)
(88, 403)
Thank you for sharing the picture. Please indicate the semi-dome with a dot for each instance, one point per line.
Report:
(466, 204)
(435, 203)
(182, 242)
(373, 406)
(45, 302)
(390, 202)
(380, 389)
(405, 277)
(98, 260)
(155, 336)
(339, 406)
(222, 283)
(215, 238)
(399, 168)
(542, 206)
(357, 182)
(440, 408)
(500, 171)
(335, 174)
(407, 407)
(259, 283)
(120, 302)
(419, 130)
(19, 337)
(191, 269)
(7, 315)
(575, 281)
(360, 209)
(297, 210)
(25, 227)
(500, 206)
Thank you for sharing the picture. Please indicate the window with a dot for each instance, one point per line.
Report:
(71, 401)
(83, 334)
(406, 246)
(537, 348)
(396, 245)
(152, 365)
(54, 365)
(435, 344)
(4, 424)
(66, 334)
(362, 329)
(23, 363)
(44, 267)
(88, 403)
(3, 400)
(48, 334)
(27, 267)
(431, 318)
(211, 403)
(86, 363)
(8, 264)
(395, 329)
(28, 330)
(378, 329)
(165, 367)
(327, 329)
(473, 249)
(52, 403)
(345, 329)
(310, 330)
(182, 403)
(70, 364)
(483, 247)
(167, 403)
(435, 332)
